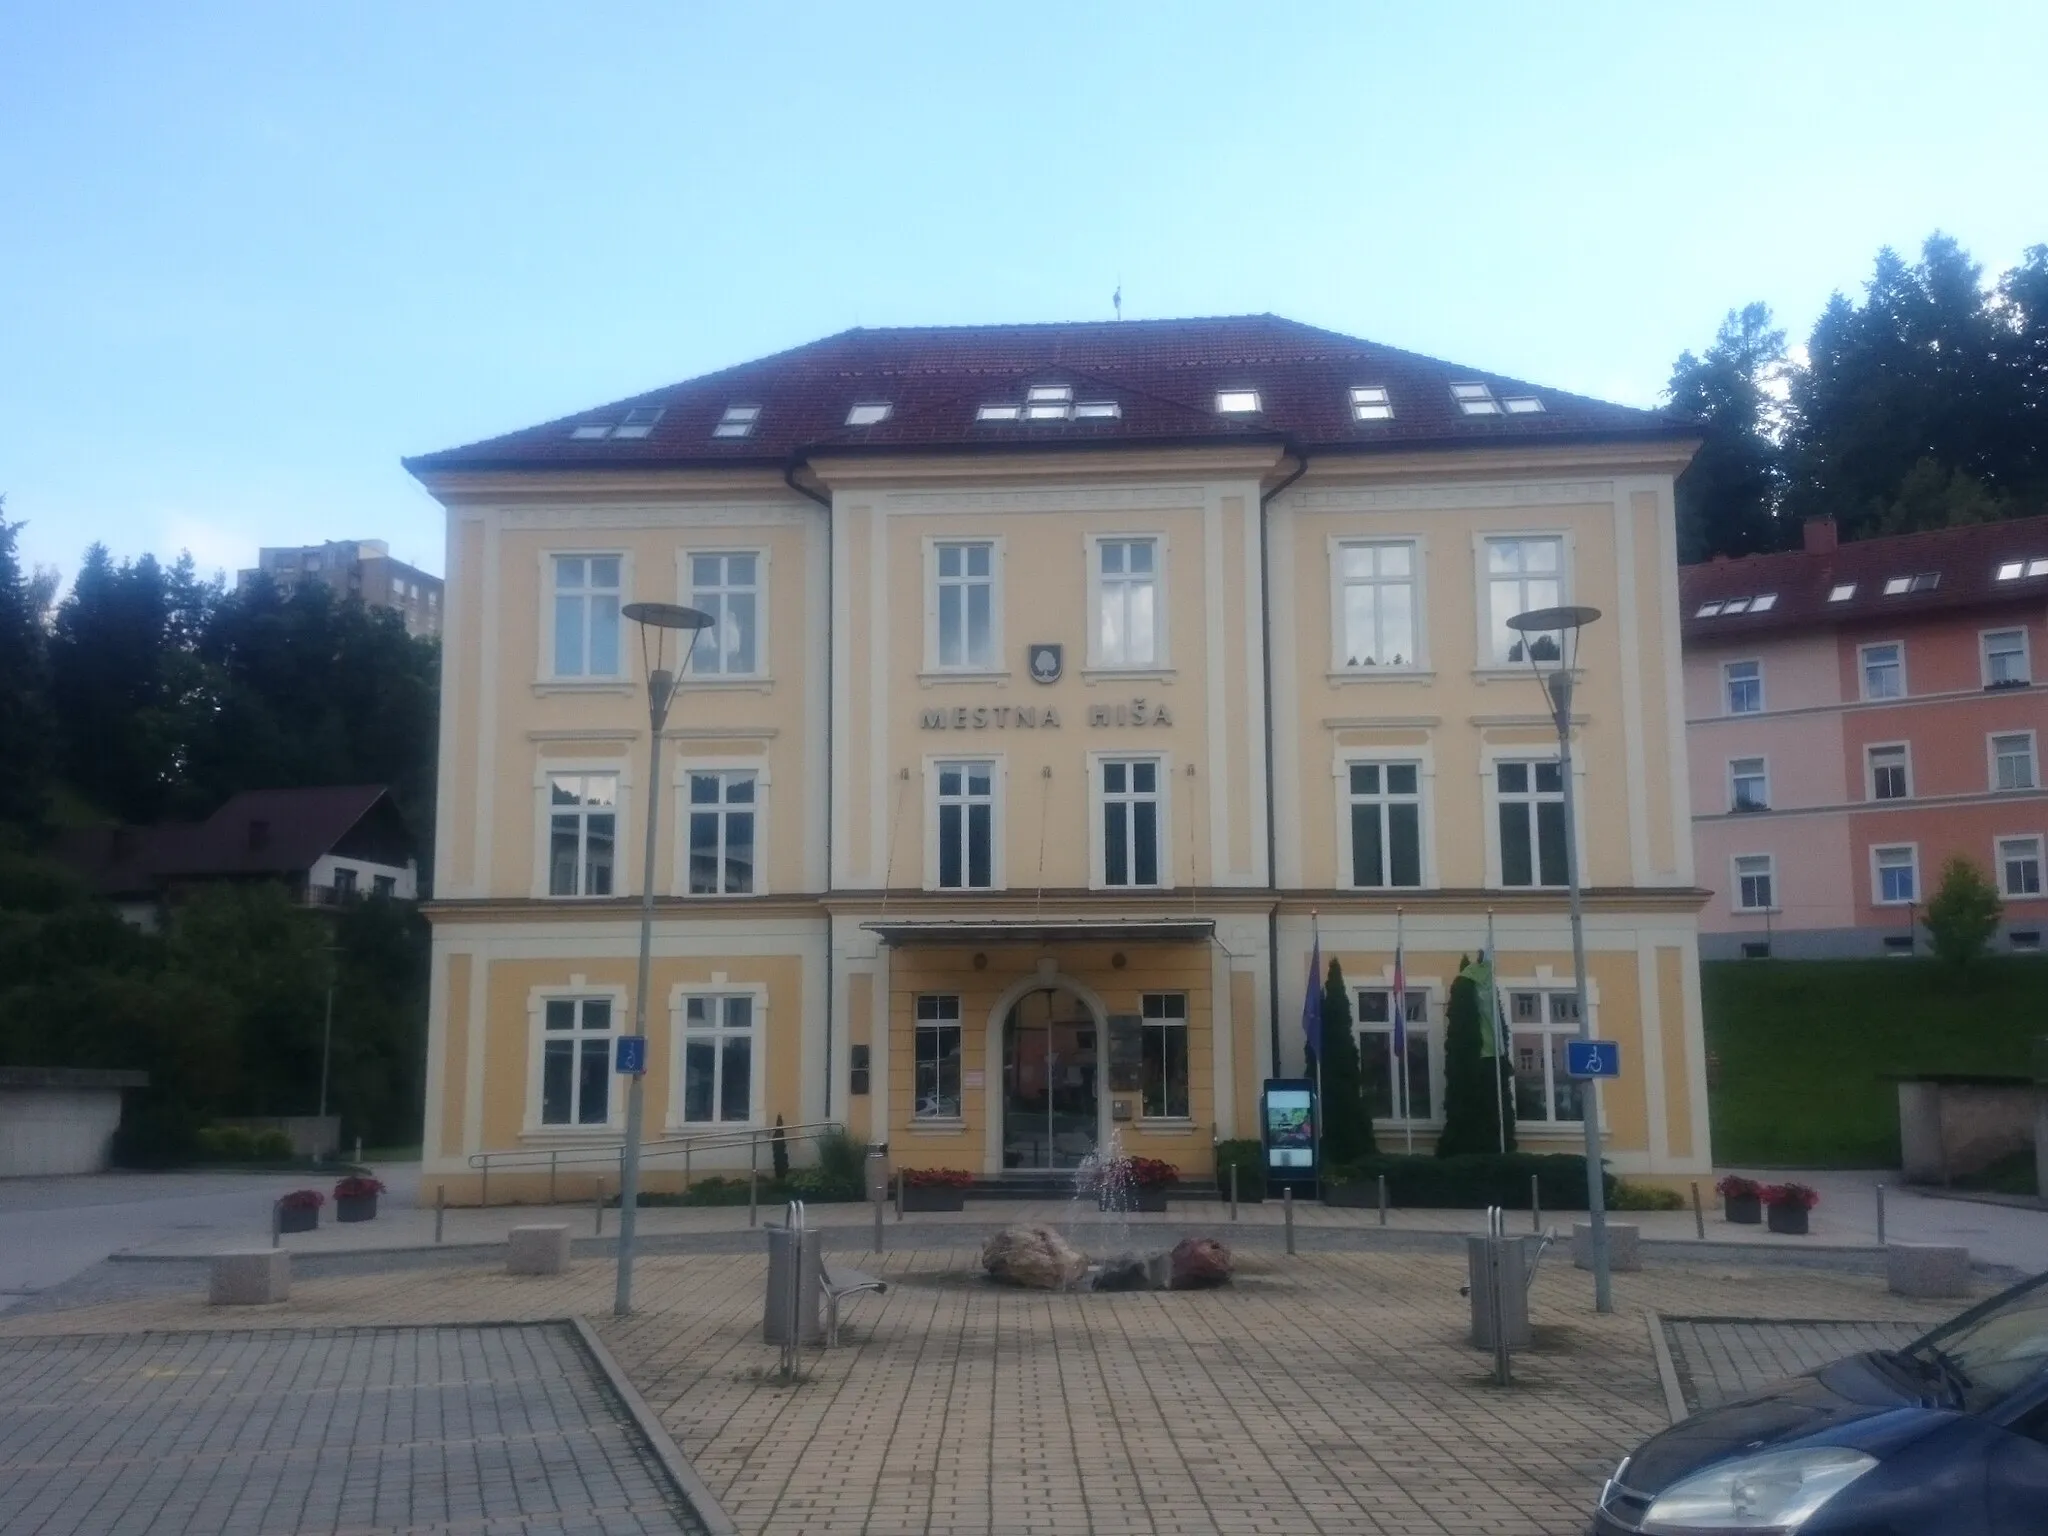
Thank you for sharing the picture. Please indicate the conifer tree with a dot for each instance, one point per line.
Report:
(1347, 1128)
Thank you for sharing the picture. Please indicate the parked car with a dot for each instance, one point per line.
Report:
(1946, 1437)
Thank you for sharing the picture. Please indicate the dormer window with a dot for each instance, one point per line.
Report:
(1925, 581)
(1370, 403)
(1842, 591)
(639, 421)
(2013, 570)
(590, 431)
(868, 414)
(1047, 410)
(1521, 405)
(1237, 402)
(1047, 393)
(738, 421)
(1475, 399)
(1764, 602)
(1097, 410)
(998, 413)
(1707, 610)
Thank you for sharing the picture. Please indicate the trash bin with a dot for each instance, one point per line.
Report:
(802, 1251)
(1514, 1283)
(876, 1168)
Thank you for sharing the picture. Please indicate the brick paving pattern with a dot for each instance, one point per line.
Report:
(480, 1431)
(1329, 1392)
(1719, 1359)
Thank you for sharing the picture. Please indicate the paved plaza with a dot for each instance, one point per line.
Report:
(485, 1430)
(1331, 1391)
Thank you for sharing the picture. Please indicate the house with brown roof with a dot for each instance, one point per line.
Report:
(1857, 715)
(327, 844)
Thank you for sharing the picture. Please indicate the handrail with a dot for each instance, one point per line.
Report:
(554, 1159)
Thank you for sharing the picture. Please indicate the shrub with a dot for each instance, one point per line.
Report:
(272, 1145)
(230, 1143)
(357, 1187)
(778, 1150)
(1642, 1197)
(1473, 1181)
(1347, 1128)
(1248, 1157)
(937, 1178)
(1791, 1194)
(1733, 1186)
(1962, 914)
(302, 1200)
(842, 1165)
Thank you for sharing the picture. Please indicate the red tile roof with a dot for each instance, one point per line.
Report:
(1162, 374)
(1965, 559)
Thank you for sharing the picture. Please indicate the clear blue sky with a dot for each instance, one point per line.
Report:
(250, 254)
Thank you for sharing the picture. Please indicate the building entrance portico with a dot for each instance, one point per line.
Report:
(1051, 1083)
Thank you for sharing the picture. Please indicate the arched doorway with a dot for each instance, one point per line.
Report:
(1051, 1083)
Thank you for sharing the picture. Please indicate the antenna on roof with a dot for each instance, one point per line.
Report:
(1117, 298)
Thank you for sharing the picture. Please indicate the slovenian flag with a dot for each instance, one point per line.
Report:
(1400, 1005)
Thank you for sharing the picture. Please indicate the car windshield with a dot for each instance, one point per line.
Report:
(1992, 1349)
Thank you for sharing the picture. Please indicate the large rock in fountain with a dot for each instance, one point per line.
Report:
(1198, 1263)
(1036, 1257)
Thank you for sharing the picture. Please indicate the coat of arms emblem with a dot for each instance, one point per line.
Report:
(1044, 661)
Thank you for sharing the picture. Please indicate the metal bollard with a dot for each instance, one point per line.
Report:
(879, 1200)
(1496, 1231)
(440, 1208)
(753, 1196)
(1699, 1213)
(359, 1151)
(1233, 1191)
(1880, 1215)
(597, 1205)
(1287, 1205)
(1383, 1199)
(1535, 1205)
(276, 1234)
(551, 1177)
(899, 1194)
(483, 1194)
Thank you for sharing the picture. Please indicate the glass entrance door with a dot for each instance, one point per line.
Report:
(1050, 1054)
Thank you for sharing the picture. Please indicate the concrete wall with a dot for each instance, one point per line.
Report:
(1947, 1129)
(47, 1131)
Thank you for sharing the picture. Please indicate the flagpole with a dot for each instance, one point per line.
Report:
(1499, 1054)
(1315, 924)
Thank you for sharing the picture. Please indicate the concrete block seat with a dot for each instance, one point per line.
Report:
(1623, 1250)
(1927, 1269)
(250, 1279)
(537, 1250)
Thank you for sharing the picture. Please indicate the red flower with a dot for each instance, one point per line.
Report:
(357, 1187)
(1147, 1171)
(937, 1178)
(1791, 1194)
(1733, 1186)
(302, 1200)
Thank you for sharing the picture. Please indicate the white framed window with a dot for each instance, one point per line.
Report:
(965, 615)
(737, 421)
(964, 825)
(726, 585)
(1756, 883)
(1841, 591)
(583, 833)
(1379, 617)
(1163, 1056)
(1529, 795)
(1237, 402)
(1475, 399)
(1891, 771)
(1744, 681)
(1131, 814)
(1399, 1088)
(573, 1034)
(1749, 784)
(1385, 802)
(718, 1065)
(1129, 616)
(937, 1057)
(1370, 402)
(1895, 874)
(722, 831)
(1540, 1022)
(2012, 761)
(867, 413)
(1523, 574)
(2005, 658)
(2019, 866)
(587, 592)
(1884, 670)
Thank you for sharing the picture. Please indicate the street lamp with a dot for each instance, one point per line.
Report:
(1550, 641)
(655, 621)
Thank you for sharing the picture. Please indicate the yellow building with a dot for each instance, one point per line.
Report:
(1059, 675)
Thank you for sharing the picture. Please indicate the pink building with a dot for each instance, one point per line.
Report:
(1857, 715)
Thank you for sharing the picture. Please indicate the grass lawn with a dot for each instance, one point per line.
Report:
(1801, 1053)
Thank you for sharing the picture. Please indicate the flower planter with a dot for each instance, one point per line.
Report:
(1144, 1197)
(360, 1208)
(1789, 1219)
(934, 1197)
(1745, 1210)
(298, 1218)
(1352, 1197)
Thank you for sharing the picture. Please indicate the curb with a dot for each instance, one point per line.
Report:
(1667, 1368)
(688, 1485)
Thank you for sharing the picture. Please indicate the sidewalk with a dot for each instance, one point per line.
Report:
(1845, 1219)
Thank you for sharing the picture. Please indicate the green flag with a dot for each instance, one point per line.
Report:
(1480, 972)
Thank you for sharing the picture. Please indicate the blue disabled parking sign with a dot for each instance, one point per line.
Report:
(1592, 1058)
(632, 1055)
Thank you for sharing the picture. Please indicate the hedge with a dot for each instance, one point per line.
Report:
(1473, 1181)
(1249, 1158)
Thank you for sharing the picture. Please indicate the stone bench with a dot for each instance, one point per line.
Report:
(1623, 1252)
(250, 1279)
(537, 1251)
(1927, 1269)
(840, 1284)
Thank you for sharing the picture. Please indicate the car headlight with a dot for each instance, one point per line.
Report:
(1777, 1491)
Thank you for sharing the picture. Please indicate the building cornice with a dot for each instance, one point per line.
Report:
(455, 488)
